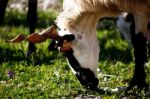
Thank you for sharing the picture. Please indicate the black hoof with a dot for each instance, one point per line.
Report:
(137, 86)
(87, 79)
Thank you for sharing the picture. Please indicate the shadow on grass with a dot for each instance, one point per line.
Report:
(115, 54)
(8, 54)
(113, 47)
(13, 18)
(14, 55)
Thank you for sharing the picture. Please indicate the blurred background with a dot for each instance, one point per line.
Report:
(22, 5)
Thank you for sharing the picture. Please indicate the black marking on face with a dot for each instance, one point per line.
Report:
(87, 78)
(55, 44)
(72, 60)
(69, 37)
(84, 75)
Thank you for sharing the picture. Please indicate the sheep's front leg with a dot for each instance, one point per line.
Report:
(32, 20)
(3, 4)
(140, 54)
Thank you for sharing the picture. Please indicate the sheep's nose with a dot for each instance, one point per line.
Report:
(87, 79)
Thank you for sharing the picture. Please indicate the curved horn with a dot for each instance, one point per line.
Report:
(50, 32)
(17, 39)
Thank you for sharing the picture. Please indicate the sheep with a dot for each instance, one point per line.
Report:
(78, 19)
(123, 27)
(122, 22)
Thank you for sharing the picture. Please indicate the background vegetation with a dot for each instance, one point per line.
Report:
(46, 74)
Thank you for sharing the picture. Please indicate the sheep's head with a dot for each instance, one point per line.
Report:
(68, 45)
(82, 57)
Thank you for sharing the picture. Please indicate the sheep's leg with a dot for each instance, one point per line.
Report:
(3, 4)
(148, 42)
(32, 20)
(140, 54)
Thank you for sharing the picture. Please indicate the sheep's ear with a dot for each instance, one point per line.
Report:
(50, 32)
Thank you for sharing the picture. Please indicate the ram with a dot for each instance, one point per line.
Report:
(77, 34)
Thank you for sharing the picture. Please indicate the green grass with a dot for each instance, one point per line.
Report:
(46, 74)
